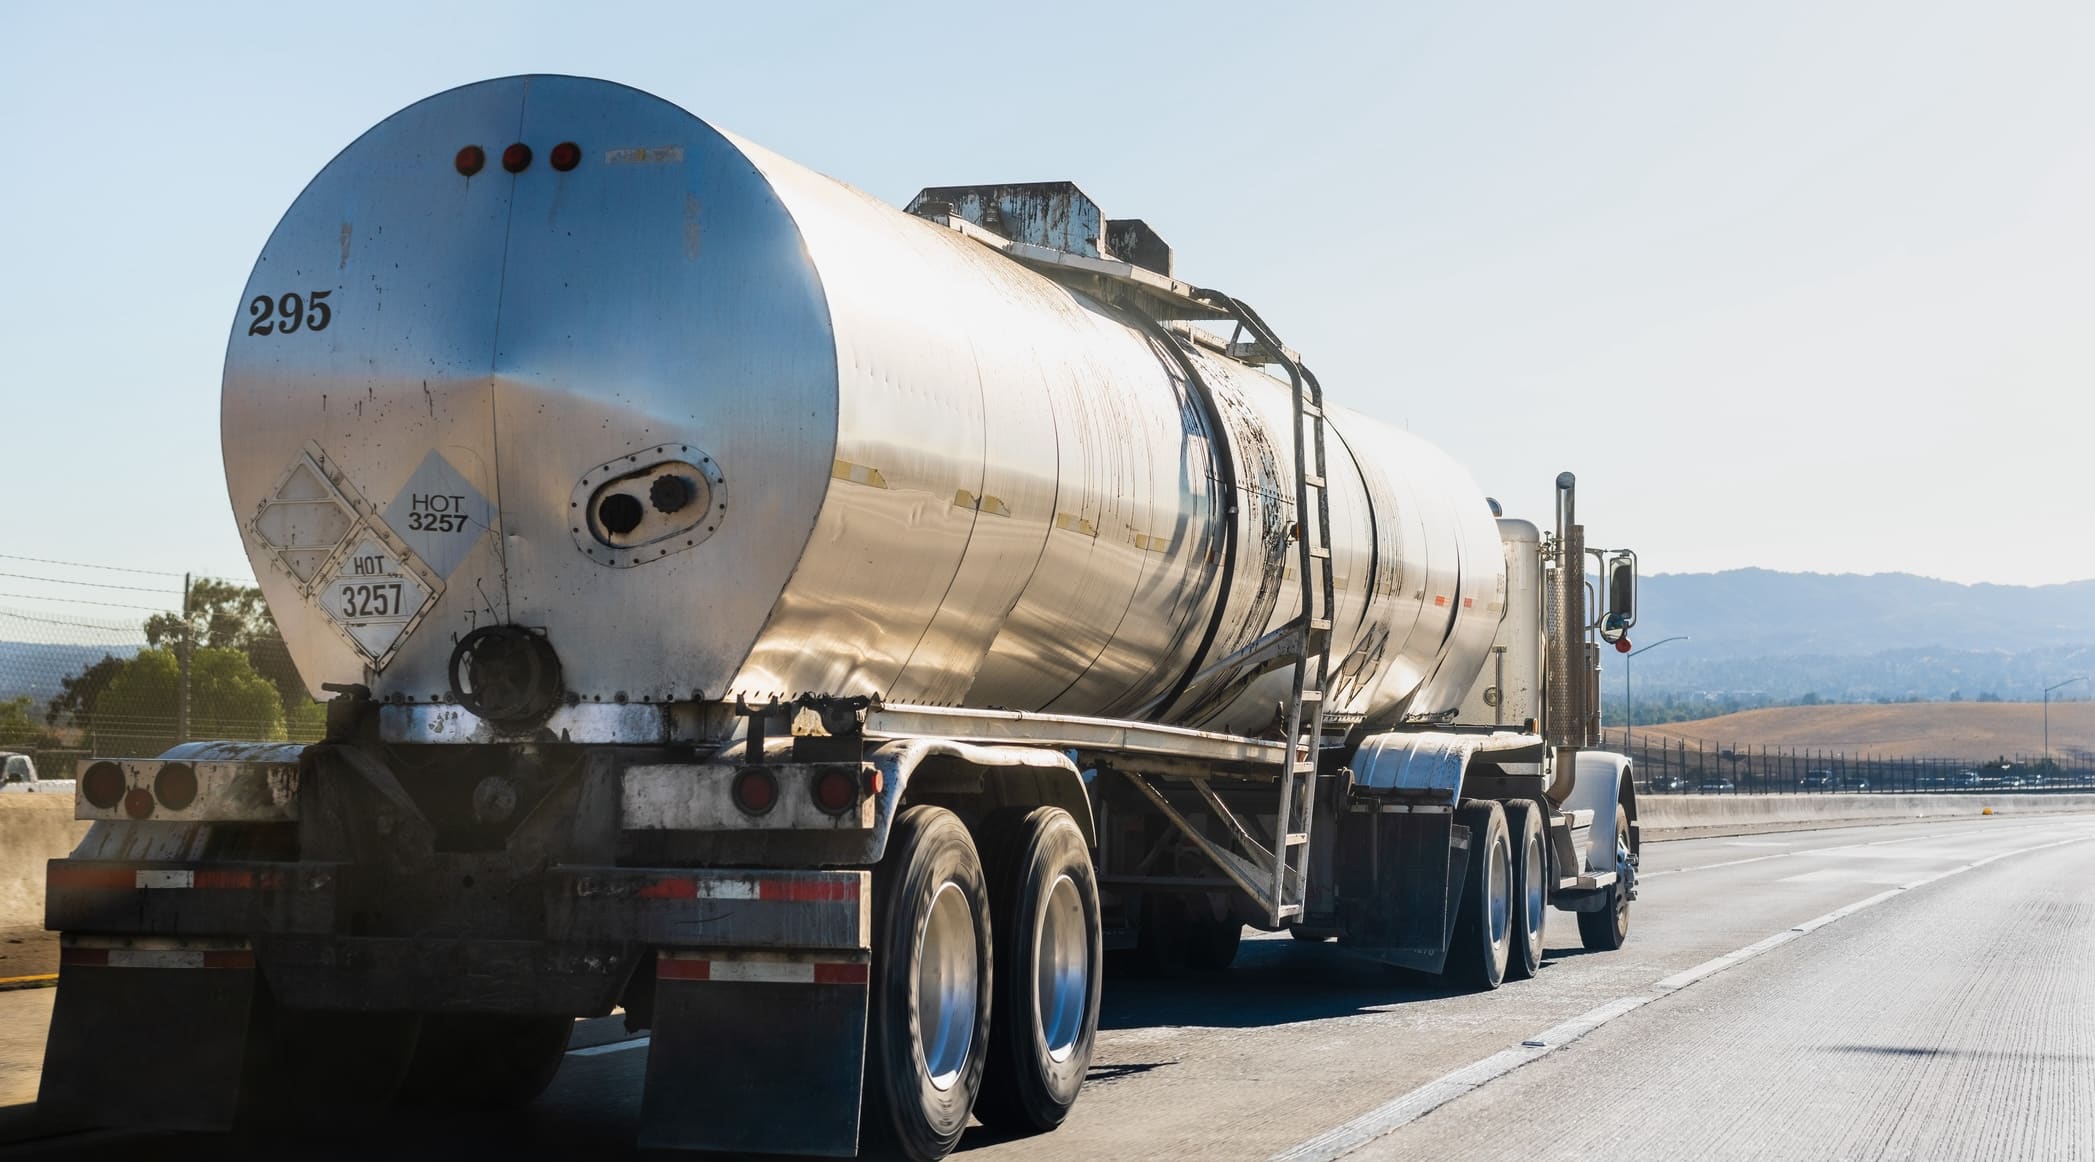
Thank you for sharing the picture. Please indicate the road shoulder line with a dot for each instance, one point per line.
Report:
(1344, 1139)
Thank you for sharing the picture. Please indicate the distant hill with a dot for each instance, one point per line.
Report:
(1760, 635)
(1967, 730)
(35, 669)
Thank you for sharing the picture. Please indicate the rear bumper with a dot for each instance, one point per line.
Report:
(599, 923)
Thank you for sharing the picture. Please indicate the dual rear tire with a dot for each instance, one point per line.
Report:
(1505, 894)
(985, 978)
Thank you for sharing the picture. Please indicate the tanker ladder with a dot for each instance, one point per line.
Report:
(1285, 867)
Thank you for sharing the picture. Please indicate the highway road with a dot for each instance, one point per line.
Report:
(1910, 991)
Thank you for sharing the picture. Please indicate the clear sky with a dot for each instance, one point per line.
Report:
(1798, 285)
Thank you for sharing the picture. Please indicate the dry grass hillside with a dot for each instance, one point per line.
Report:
(1962, 730)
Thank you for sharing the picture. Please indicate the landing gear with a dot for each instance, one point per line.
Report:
(1049, 954)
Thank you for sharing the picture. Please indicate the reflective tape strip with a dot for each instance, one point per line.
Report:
(157, 957)
(785, 891)
(147, 878)
(676, 967)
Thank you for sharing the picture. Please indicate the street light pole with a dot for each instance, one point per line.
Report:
(2047, 712)
(1629, 707)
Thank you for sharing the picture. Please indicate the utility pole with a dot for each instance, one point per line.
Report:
(182, 652)
(2047, 713)
(1629, 708)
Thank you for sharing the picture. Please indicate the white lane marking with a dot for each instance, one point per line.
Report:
(614, 1047)
(1667, 871)
(1342, 1140)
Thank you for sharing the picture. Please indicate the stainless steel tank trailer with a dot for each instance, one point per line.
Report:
(820, 629)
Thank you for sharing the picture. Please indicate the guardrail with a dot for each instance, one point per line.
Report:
(1673, 766)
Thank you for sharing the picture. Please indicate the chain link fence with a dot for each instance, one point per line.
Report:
(210, 665)
(1677, 766)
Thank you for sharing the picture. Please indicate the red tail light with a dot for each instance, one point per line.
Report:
(103, 785)
(175, 786)
(836, 790)
(755, 790)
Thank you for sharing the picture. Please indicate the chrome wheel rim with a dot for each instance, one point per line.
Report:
(1061, 969)
(1498, 888)
(946, 984)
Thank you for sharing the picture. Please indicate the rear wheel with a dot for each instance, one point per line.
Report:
(327, 1069)
(1211, 945)
(1606, 930)
(1531, 876)
(928, 1027)
(486, 1061)
(1049, 953)
(1484, 928)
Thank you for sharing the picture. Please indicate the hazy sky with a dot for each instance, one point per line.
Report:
(1808, 286)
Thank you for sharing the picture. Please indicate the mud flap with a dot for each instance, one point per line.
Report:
(148, 1037)
(1401, 873)
(756, 1052)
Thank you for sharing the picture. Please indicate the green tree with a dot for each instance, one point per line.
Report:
(226, 616)
(227, 699)
(19, 728)
(77, 695)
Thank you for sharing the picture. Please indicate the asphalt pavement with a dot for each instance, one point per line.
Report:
(1917, 990)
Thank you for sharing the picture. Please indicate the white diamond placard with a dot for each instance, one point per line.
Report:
(439, 514)
(372, 595)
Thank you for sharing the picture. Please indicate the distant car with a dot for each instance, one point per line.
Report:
(1718, 783)
(2013, 782)
(1971, 780)
(1815, 781)
(18, 776)
(1669, 783)
(1854, 783)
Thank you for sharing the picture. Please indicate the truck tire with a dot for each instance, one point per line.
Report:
(1531, 884)
(1050, 952)
(485, 1061)
(1607, 929)
(1484, 927)
(927, 1037)
(1211, 945)
(326, 1069)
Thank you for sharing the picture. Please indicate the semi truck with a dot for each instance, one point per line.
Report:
(820, 631)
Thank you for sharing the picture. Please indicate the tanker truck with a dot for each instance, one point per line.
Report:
(820, 631)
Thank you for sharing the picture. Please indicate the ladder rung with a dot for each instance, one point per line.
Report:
(1320, 625)
(1320, 552)
(1286, 910)
(1312, 695)
(1305, 768)
(1312, 411)
(1297, 838)
(1313, 480)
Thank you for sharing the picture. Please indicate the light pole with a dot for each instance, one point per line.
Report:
(1629, 708)
(2047, 715)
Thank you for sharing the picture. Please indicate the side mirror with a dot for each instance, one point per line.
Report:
(1621, 581)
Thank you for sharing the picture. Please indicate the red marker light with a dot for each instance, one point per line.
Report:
(470, 160)
(1622, 646)
(517, 158)
(138, 802)
(566, 156)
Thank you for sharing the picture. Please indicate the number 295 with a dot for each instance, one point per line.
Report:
(286, 313)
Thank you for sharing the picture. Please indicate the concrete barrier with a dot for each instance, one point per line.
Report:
(1687, 816)
(33, 828)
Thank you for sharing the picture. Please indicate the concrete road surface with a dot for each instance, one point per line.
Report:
(1910, 991)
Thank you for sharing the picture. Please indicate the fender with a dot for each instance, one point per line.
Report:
(1602, 785)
